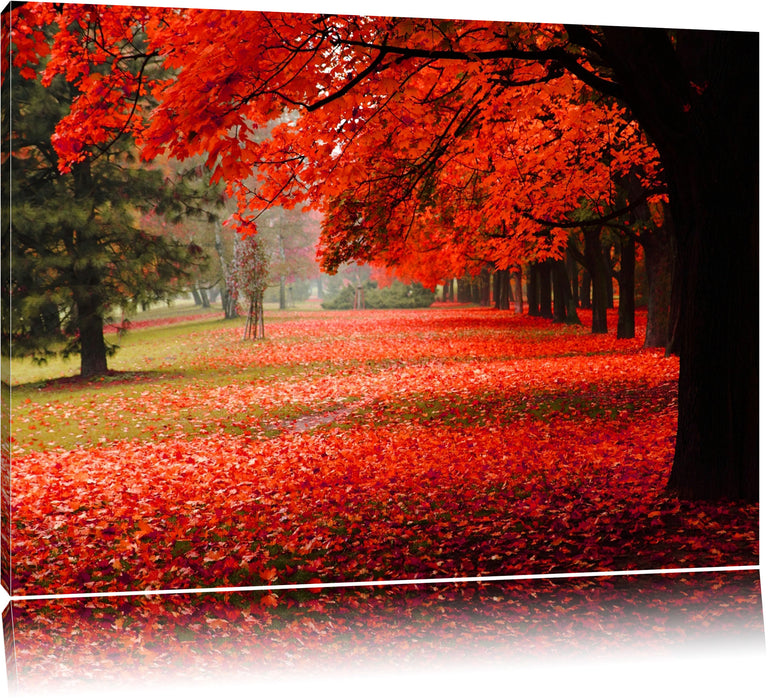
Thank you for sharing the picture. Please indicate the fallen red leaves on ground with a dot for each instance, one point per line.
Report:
(447, 442)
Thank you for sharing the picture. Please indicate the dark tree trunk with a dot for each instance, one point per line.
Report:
(205, 298)
(572, 274)
(675, 307)
(659, 262)
(572, 270)
(465, 289)
(196, 295)
(484, 280)
(560, 293)
(228, 304)
(94, 353)
(599, 273)
(501, 289)
(533, 289)
(697, 95)
(518, 290)
(585, 291)
(611, 275)
(545, 289)
(626, 311)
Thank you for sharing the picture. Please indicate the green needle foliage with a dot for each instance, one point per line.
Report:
(73, 249)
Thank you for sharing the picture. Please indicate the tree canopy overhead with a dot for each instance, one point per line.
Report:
(466, 126)
(450, 140)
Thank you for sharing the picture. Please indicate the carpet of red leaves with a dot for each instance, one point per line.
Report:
(422, 444)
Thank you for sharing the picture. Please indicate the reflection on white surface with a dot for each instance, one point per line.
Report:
(379, 641)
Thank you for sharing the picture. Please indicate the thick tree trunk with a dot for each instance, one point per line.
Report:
(572, 273)
(560, 291)
(94, 354)
(626, 310)
(518, 290)
(484, 280)
(658, 259)
(465, 289)
(545, 289)
(598, 275)
(533, 289)
(696, 94)
(572, 270)
(501, 289)
(228, 304)
(585, 291)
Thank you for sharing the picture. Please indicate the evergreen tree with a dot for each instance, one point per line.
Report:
(72, 240)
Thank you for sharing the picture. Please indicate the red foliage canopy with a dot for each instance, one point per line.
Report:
(414, 136)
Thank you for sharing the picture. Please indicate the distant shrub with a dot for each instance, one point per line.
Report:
(397, 296)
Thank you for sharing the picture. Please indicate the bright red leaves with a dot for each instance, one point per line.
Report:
(425, 444)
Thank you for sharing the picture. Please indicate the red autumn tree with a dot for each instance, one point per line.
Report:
(400, 121)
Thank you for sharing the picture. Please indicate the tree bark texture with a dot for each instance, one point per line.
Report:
(545, 289)
(659, 263)
(518, 290)
(532, 291)
(94, 354)
(697, 97)
(585, 291)
(501, 289)
(560, 291)
(599, 272)
(572, 273)
(626, 310)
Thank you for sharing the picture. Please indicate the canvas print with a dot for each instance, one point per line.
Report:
(296, 299)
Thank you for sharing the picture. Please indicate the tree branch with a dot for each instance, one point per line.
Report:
(553, 55)
(604, 220)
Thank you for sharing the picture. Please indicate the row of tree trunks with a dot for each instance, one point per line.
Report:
(554, 285)
(201, 296)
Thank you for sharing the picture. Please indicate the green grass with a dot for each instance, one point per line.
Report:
(51, 406)
(154, 348)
